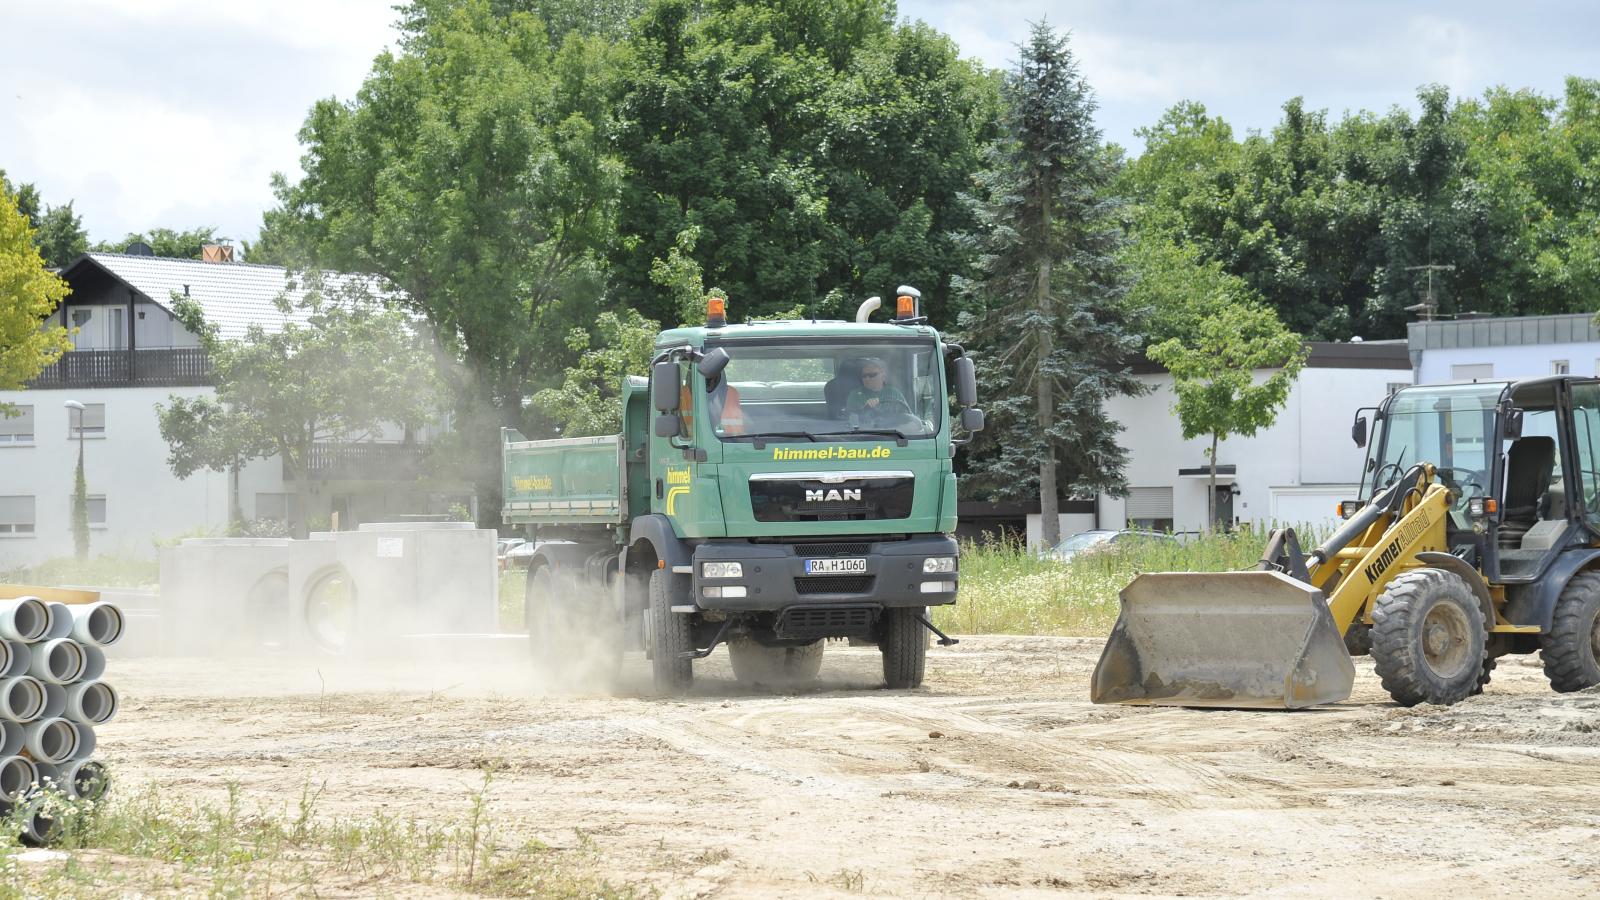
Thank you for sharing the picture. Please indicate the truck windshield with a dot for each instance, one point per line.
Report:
(828, 391)
(1450, 426)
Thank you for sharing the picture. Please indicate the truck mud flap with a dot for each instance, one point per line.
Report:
(1254, 640)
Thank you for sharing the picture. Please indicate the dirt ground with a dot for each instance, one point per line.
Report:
(996, 779)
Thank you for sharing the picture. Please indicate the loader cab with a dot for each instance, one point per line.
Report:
(1522, 461)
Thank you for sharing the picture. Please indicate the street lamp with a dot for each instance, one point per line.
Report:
(80, 494)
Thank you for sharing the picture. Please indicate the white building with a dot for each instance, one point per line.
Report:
(1522, 347)
(1294, 472)
(120, 375)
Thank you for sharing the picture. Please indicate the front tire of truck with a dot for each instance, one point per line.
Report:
(903, 641)
(671, 635)
(755, 663)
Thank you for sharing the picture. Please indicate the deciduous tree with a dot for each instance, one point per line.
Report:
(29, 293)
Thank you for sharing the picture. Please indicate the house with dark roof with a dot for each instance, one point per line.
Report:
(130, 354)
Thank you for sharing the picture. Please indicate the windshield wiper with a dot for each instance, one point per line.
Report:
(760, 438)
(901, 437)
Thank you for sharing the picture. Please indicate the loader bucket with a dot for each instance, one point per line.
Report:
(1259, 640)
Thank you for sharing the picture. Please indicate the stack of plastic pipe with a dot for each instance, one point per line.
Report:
(51, 698)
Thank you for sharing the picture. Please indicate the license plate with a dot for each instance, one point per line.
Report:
(856, 566)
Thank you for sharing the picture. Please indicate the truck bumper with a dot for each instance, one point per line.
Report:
(775, 577)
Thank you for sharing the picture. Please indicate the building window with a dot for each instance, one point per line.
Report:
(18, 429)
(272, 506)
(97, 510)
(1560, 367)
(1471, 371)
(16, 517)
(94, 421)
(1150, 508)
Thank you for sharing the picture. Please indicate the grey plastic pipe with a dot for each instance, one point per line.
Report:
(82, 778)
(51, 740)
(58, 661)
(97, 623)
(60, 624)
(23, 619)
(38, 828)
(55, 700)
(87, 742)
(10, 738)
(18, 775)
(94, 663)
(22, 698)
(91, 702)
(18, 656)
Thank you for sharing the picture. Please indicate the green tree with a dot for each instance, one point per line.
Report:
(1215, 376)
(57, 230)
(80, 511)
(167, 242)
(471, 171)
(818, 151)
(1056, 330)
(29, 293)
(354, 366)
(589, 400)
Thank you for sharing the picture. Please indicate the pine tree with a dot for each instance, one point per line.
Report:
(1051, 325)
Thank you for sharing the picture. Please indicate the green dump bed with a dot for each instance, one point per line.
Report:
(563, 481)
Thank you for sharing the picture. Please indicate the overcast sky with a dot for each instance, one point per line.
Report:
(175, 112)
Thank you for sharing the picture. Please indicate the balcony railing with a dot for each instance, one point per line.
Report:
(188, 366)
(364, 462)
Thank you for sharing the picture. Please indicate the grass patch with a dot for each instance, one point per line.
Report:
(153, 842)
(513, 615)
(96, 571)
(1007, 589)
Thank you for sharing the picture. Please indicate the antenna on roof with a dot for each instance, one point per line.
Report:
(139, 248)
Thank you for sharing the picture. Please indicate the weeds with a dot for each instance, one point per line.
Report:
(1008, 589)
(99, 571)
(513, 615)
(151, 842)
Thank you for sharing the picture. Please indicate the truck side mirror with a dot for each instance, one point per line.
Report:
(665, 389)
(966, 381)
(712, 364)
(972, 419)
(668, 425)
(1358, 431)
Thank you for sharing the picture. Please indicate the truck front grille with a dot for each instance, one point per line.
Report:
(812, 585)
(803, 622)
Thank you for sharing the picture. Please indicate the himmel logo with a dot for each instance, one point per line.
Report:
(837, 451)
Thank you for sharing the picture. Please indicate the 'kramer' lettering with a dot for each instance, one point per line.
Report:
(1409, 533)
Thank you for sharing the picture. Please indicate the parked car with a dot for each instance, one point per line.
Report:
(503, 547)
(1101, 539)
(519, 557)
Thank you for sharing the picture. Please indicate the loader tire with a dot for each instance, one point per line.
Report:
(904, 644)
(671, 635)
(754, 663)
(1358, 640)
(1571, 649)
(1428, 638)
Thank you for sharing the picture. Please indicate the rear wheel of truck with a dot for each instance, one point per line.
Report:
(573, 644)
(1428, 638)
(671, 635)
(754, 663)
(1571, 651)
(904, 644)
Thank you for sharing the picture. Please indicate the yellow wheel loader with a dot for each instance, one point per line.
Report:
(1479, 536)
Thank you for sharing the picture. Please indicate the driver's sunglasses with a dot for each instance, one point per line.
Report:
(871, 374)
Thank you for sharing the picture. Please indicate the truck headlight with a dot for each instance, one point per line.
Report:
(942, 565)
(722, 570)
(938, 587)
(727, 592)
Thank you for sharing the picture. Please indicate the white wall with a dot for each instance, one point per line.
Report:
(1304, 458)
(1527, 361)
(128, 466)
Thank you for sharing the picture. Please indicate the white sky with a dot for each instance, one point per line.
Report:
(174, 113)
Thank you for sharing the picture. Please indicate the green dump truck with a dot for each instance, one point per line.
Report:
(775, 484)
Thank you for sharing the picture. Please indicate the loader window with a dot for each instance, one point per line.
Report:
(1586, 434)
(1449, 426)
